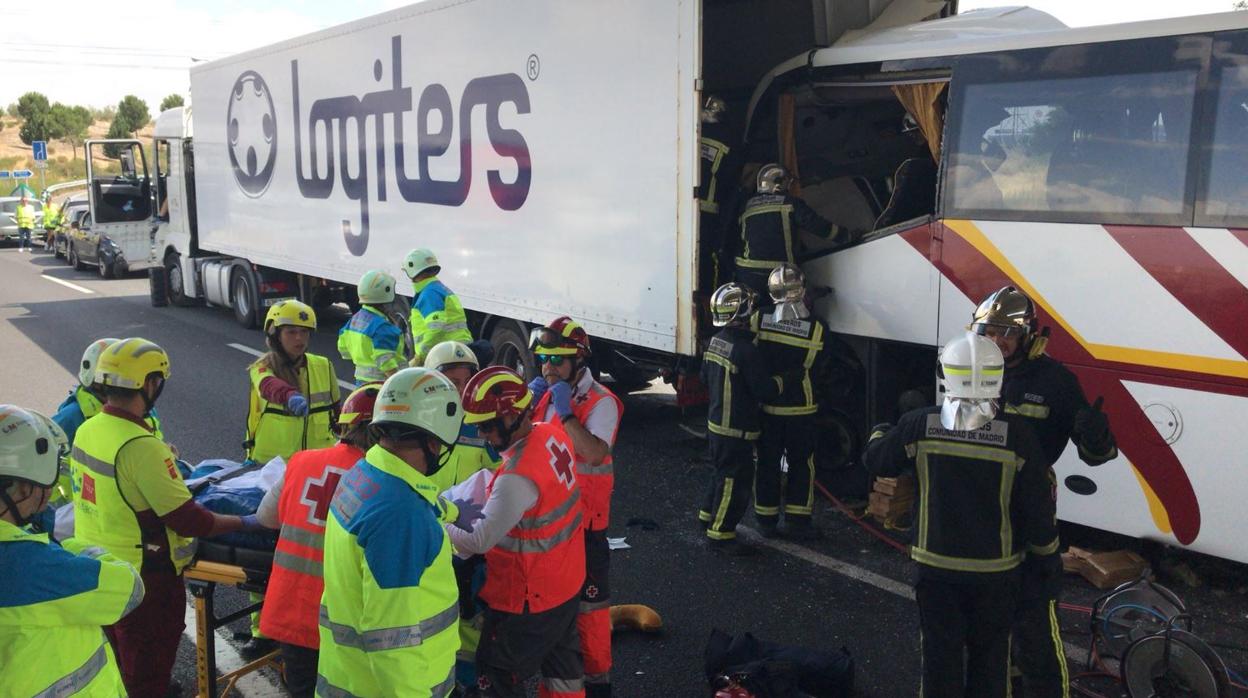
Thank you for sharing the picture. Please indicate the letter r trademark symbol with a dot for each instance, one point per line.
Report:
(534, 67)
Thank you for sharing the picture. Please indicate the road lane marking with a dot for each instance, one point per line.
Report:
(345, 385)
(66, 284)
(257, 684)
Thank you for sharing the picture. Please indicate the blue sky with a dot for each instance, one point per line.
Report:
(84, 52)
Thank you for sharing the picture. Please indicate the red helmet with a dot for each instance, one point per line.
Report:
(563, 336)
(495, 392)
(357, 409)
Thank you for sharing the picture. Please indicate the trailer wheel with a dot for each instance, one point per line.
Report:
(243, 293)
(156, 287)
(511, 349)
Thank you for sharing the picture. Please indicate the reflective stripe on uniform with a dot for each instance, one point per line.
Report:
(1010, 464)
(591, 606)
(553, 515)
(767, 264)
(304, 537)
(541, 545)
(1028, 410)
(444, 688)
(965, 564)
(389, 638)
(94, 464)
(136, 596)
(587, 469)
(604, 677)
(297, 563)
(563, 685)
(76, 680)
(328, 690)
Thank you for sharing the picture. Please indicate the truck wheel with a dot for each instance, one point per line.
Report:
(837, 455)
(156, 287)
(243, 293)
(174, 280)
(511, 349)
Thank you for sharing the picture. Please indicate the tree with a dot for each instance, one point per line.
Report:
(11, 110)
(132, 112)
(118, 129)
(69, 123)
(173, 100)
(33, 109)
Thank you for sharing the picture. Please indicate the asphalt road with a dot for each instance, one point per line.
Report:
(845, 590)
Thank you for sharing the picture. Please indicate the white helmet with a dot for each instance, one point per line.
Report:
(31, 446)
(450, 353)
(91, 358)
(418, 261)
(376, 287)
(973, 368)
(420, 399)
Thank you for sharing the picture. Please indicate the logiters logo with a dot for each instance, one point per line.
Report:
(253, 140)
(251, 130)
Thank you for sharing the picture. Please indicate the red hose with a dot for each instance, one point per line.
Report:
(900, 547)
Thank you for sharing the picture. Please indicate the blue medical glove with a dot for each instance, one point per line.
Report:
(251, 523)
(538, 386)
(297, 405)
(469, 514)
(561, 398)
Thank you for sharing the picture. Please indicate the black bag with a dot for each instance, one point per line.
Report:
(773, 670)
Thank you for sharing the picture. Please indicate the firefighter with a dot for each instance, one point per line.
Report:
(54, 598)
(390, 608)
(589, 414)
(533, 541)
(737, 379)
(298, 505)
(717, 189)
(789, 339)
(770, 227)
(437, 315)
(294, 393)
(371, 340)
(130, 500)
(984, 504)
(1042, 390)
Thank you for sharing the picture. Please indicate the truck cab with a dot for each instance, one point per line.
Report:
(120, 195)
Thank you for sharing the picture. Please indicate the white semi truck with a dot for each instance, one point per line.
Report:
(547, 151)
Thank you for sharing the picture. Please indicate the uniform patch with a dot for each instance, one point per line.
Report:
(561, 462)
(720, 347)
(994, 433)
(173, 469)
(797, 328)
(318, 493)
(88, 488)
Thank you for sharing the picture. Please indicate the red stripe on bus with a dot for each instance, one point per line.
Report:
(1241, 234)
(1190, 274)
(977, 276)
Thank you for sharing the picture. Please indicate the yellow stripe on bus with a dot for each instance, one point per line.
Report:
(1105, 352)
(1161, 519)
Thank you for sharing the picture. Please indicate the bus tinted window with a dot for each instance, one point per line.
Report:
(1105, 148)
(1226, 196)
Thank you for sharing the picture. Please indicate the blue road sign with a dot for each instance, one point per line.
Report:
(4, 174)
(22, 173)
(41, 149)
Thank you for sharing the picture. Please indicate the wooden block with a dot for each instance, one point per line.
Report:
(903, 485)
(881, 505)
(1105, 570)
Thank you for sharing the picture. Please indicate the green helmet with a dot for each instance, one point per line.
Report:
(420, 260)
(423, 400)
(376, 287)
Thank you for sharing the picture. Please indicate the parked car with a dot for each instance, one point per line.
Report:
(87, 249)
(8, 218)
(72, 211)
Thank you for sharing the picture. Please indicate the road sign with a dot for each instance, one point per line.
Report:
(41, 164)
(22, 173)
(4, 174)
(41, 150)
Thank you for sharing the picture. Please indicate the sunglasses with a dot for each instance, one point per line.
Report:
(552, 359)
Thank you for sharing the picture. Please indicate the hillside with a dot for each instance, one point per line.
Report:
(64, 161)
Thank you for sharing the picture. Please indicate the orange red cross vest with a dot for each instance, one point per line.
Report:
(296, 582)
(541, 561)
(597, 481)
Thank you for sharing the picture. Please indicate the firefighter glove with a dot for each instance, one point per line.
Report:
(1093, 426)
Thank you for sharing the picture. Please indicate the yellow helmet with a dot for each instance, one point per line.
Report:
(289, 313)
(128, 363)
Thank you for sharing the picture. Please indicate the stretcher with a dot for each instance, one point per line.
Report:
(247, 570)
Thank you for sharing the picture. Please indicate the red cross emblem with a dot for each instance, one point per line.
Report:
(88, 488)
(561, 462)
(317, 494)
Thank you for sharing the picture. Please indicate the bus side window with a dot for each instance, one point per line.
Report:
(1226, 197)
(1108, 148)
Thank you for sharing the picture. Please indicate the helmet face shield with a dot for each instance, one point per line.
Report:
(731, 302)
(984, 329)
(966, 414)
